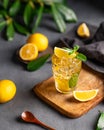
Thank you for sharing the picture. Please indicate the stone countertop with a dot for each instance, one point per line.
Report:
(25, 99)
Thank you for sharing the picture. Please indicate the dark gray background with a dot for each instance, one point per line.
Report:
(25, 99)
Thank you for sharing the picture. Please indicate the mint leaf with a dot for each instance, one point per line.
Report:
(70, 51)
(76, 47)
(81, 57)
(36, 64)
(73, 80)
(100, 124)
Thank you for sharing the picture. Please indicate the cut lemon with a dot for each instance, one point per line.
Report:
(28, 52)
(85, 95)
(60, 52)
(83, 30)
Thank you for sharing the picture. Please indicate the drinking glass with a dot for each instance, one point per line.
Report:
(65, 72)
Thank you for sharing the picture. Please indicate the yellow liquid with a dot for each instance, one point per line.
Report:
(63, 70)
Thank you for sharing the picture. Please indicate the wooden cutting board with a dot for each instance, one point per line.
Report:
(66, 103)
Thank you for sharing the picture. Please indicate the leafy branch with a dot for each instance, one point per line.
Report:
(18, 15)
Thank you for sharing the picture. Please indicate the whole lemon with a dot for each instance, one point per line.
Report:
(40, 40)
(7, 90)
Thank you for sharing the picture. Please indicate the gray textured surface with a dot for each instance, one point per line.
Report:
(11, 69)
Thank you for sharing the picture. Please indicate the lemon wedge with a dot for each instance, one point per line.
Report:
(83, 31)
(60, 52)
(85, 95)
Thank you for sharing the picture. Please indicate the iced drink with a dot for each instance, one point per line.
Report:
(66, 68)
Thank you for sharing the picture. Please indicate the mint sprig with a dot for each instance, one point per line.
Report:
(70, 51)
(79, 56)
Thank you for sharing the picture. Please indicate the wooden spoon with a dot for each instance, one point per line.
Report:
(29, 117)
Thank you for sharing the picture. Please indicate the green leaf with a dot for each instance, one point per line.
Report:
(10, 31)
(3, 13)
(21, 29)
(2, 25)
(36, 64)
(68, 13)
(5, 3)
(28, 13)
(1, 16)
(98, 129)
(76, 47)
(50, 2)
(64, 2)
(70, 51)
(15, 8)
(81, 57)
(54, 1)
(73, 80)
(39, 17)
(100, 124)
(58, 19)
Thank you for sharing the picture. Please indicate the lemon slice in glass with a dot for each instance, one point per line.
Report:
(60, 52)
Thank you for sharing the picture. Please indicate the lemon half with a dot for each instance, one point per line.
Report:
(28, 52)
